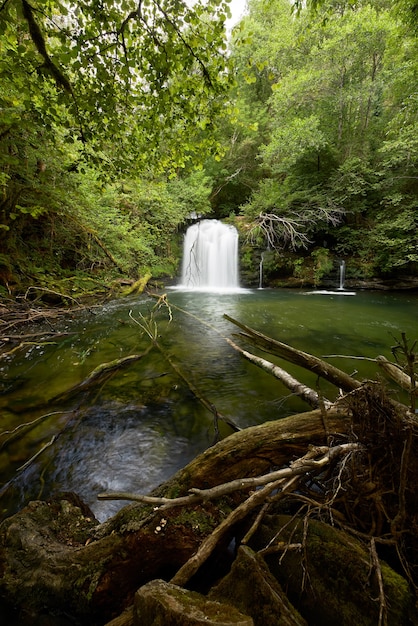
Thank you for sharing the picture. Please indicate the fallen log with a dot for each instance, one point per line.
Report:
(163, 603)
(334, 375)
(138, 286)
(394, 372)
(324, 370)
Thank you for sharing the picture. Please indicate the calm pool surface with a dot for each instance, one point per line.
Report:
(134, 431)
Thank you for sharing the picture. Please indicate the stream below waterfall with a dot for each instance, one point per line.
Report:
(135, 431)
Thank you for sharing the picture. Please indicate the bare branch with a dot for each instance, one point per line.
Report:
(255, 499)
(303, 391)
(334, 375)
(382, 598)
(303, 465)
(280, 230)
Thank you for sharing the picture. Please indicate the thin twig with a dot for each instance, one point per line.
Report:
(35, 456)
(383, 610)
(23, 429)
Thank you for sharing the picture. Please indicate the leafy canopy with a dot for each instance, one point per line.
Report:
(338, 157)
(135, 77)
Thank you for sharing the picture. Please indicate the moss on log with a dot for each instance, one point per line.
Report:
(138, 286)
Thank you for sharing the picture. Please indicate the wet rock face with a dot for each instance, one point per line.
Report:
(159, 603)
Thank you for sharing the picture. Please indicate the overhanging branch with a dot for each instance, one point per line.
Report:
(40, 44)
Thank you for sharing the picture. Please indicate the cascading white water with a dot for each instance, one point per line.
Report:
(210, 256)
(260, 272)
(341, 274)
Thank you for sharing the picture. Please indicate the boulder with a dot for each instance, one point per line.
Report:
(253, 589)
(331, 578)
(159, 603)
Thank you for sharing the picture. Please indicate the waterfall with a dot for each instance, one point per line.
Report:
(260, 272)
(340, 290)
(341, 275)
(210, 256)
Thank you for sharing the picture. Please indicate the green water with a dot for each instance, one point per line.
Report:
(136, 430)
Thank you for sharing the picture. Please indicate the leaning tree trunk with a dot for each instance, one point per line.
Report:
(55, 554)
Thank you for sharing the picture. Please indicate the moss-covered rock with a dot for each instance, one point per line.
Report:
(331, 578)
(252, 588)
(162, 604)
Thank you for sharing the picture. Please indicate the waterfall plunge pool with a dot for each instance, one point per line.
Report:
(135, 431)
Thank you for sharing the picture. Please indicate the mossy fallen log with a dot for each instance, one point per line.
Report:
(159, 602)
(253, 589)
(138, 286)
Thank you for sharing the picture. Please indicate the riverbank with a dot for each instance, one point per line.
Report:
(42, 306)
(401, 283)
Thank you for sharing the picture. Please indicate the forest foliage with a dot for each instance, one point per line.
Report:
(119, 121)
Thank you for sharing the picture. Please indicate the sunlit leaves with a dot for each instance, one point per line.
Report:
(288, 143)
(148, 64)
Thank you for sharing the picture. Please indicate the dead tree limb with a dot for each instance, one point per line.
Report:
(303, 391)
(99, 375)
(334, 375)
(306, 464)
(396, 373)
(378, 570)
(239, 513)
(282, 480)
(62, 296)
(23, 429)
